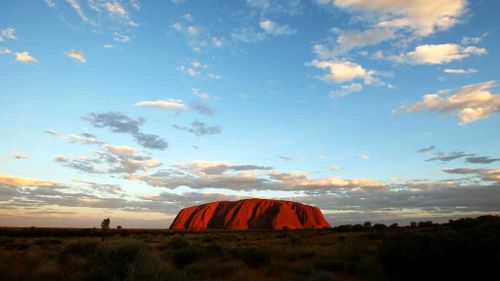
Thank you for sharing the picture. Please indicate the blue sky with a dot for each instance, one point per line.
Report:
(137, 109)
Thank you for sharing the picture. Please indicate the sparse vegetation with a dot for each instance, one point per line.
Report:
(466, 248)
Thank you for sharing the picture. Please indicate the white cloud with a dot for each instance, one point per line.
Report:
(438, 54)
(333, 168)
(302, 180)
(193, 30)
(346, 90)
(50, 3)
(348, 40)
(259, 4)
(115, 8)
(468, 104)
(19, 155)
(343, 71)
(84, 138)
(421, 16)
(200, 94)
(269, 27)
(460, 71)
(8, 33)
(120, 37)
(76, 6)
(193, 69)
(197, 69)
(5, 51)
(247, 35)
(15, 181)
(365, 157)
(217, 42)
(472, 40)
(25, 57)
(76, 55)
(197, 36)
(135, 4)
(276, 29)
(121, 150)
(273, 7)
(164, 104)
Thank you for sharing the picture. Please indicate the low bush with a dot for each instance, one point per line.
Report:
(177, 242)
(252, 256)
(185, 256)
(127, 260)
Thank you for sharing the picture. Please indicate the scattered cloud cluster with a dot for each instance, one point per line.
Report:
(83, 138)
(198, 37)
(115, 9)
(200, 129)
(112, 159)
(421, 17)
(471, 158)
(204, 174)
(267, 27)
(120, 123)
(348, 40)
(16, 181)
(492, 175)
(347, 89)
(197, 69)
(276, 29)
(8, 33)
(116, 14)
(390, 20)
(267, 7)
(468, 104)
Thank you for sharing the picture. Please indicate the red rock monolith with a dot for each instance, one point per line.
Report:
(250, 214)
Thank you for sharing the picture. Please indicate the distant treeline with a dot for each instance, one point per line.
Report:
(367, 226)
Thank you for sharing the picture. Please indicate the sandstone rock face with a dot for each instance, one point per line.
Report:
(250, 214)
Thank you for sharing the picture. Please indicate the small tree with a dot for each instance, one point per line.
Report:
(367, 224)
(394, 226)
(105, 227)
(118, 227)
(379, 226)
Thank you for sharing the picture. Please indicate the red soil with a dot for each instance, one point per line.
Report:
(250, 214)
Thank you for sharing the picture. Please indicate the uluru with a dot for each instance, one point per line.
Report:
(250, 214)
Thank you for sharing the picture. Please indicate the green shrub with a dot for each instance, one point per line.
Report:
(48, 270)
(83, 247)
(185, 256)
(253, 256)
(213, 249)
(177, 243)
(128, 260)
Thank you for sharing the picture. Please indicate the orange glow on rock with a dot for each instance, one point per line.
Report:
(250, 214)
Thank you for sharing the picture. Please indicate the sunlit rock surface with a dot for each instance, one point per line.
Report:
(250, 214)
